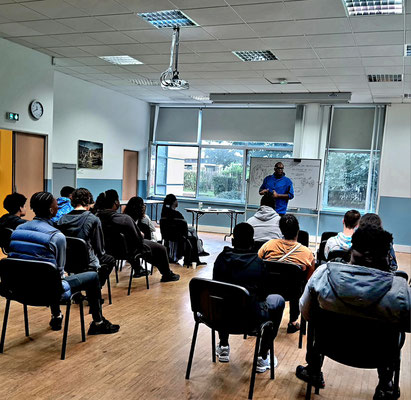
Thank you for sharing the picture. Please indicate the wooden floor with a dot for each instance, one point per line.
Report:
(147, 358)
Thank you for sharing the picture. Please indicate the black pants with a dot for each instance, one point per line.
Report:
(272, 310)
(88, 281)
(191, 251)
(107, 263)
(294, 309)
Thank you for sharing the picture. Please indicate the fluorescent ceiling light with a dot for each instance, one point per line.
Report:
(121, 60)
(201, 98)
(167, 19)
(373, 7)
(144, 82)
(385, 78)
(407, 50)
(255, 55)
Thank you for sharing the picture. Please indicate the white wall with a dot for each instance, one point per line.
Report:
(395, 171)
(84, 111)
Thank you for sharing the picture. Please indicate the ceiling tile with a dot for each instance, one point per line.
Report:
(91, 60)
(43, 41)
(19, 13)
(164, 48)
(112, 38)
(332, 40)
(281, 28)
(384, 70)
(66, 62)
(263, 12)
(244, 44)
(86, 24)
(149, 35)
(99, 7)
(214, 16)
(181, 4)
(239, 31)
(295, 54)
(101, 50)
(338, 52)
(48, 27)
(206, 46)
(349, 79)
(324, 26)
(312, 9)
(386, 51)
(55, 9)
(316, 79)
(124, 22)
(15, 29)
(133, 49)
(68, 51)
(293, 42)
(294, 64)
(341, 62)
(85, 70)
(346, 71)
(309, 72)
(382, 61)
(76, 39)
(365, 39)
(146, 5)
(371, 23)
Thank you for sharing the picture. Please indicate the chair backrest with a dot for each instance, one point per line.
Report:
(145, 230)
(286, 279)
(303, 238)
(324, 237)
(116, 244)
(345, 255)
(221, 306)
(77, 256)
(257, 245)
(173, 229)
(357, 342)
(5, 235)
(35, 283)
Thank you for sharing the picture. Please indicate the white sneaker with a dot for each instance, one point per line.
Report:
(264, 364)
(223, 353)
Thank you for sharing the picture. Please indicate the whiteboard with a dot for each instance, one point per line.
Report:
(304, 173)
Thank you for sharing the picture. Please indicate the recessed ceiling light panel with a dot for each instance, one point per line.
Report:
(167, 19)
(255, 55)
(385, 78)
(373, 7)
(121, 60)
(407, 50)
(144, 82)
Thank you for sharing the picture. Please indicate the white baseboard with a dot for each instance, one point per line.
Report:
(214, 229)
(402, 248)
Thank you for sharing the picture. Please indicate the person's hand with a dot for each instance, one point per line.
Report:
(264, 191)
(275, 194)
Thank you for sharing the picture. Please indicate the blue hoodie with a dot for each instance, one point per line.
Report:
(64, 205)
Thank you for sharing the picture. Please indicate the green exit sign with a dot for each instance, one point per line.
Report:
(12, 116)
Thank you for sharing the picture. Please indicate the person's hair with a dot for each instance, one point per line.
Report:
(169, 200)
(243, 235)
(135, 208)
(81, 197)
(371, 246)
(351, 219)
(106, 200)
(66, 191)
(289, 226)
(276, 164)
(40, 203)
(268, 200)
(370, 219)
(13, 202)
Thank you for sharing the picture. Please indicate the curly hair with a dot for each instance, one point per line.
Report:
(81, 197)
(135, 208)
(370, 219)
(40, 203)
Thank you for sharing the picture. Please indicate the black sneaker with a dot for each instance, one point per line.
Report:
(105, 328)
(56, 322)
(204, 254)
(385, 392)
(171, 277)
(201, 263)
(305, 375)
(138, 273)
(292, 328)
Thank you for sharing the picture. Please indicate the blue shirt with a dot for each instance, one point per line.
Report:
(281, 185)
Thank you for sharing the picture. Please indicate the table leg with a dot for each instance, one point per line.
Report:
(197, 218)
(156, 211)
(231, 225)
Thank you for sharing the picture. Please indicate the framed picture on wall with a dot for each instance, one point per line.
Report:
(90, 155)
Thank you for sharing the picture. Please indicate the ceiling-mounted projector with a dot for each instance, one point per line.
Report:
(170, 79)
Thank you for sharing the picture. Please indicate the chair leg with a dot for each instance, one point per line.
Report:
(193, 345)
(129, 282)
(66, 324)
(121, 265)
(26, 320)
(116, 271)
(308, 392)
(5, 319)
(245, 336)
(253, 371)
(272, 373)
(83, 329)
(396, 387)
(147, 282)
(109, 290)
(213, 345)
(317, 390)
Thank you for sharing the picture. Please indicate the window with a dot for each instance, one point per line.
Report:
(353, 159)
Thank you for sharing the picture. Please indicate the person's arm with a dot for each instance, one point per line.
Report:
(286, 196)
(261, 252)
(263, 188)
(309, 301)
(97, 239)
(59, 241)
(311, 268)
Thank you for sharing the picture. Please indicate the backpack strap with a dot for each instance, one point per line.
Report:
(297, 246)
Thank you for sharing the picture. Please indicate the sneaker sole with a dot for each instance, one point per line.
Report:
(223, 359)
(260, 370)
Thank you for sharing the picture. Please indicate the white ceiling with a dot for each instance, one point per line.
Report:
(314, 40)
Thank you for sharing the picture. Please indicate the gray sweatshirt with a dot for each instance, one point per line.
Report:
(266, 224)
(358, 291)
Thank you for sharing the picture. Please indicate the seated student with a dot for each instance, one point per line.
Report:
(374, 220)
(64, 202)
(343, 240)
(289, 250)
(15, 204)
(106, 206)
(39, 240)
(266, 221)
(81, 223)
(241, 266)
(363, 288)
(169, 211)
(136, 209)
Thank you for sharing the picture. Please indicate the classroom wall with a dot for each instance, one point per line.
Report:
(86, 111)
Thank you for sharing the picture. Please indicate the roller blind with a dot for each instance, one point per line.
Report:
(249, 124)
(177, 125)
(352, 128)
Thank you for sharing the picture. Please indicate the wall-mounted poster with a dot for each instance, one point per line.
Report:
(90, 155)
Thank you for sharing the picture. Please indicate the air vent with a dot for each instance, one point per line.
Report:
(407, 50)
(373, 7)
(385, 78)
(167, 19)
(121, 60)
(144, 82)
(255, 55)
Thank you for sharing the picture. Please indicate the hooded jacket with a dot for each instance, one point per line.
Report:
(358, 291)
(64, 205)
(11, 221)
(339, 242)
(86, 226)
(266, 224)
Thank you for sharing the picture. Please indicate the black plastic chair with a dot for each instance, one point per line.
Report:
(35, 283)
(287, 280)
(356, 342)
(116, 246)
(225, 307)
(339, 255)
(320, 252)
(174, 233)
(145, 230)
(257, 245)
(5, 235)
(303, 238)
(77, 259)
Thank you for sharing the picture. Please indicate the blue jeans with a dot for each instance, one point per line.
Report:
(89, 282)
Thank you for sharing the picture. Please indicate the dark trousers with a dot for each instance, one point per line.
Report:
(157, 256)
(107, 263)
(89, 282)
(294, 309)
(270, 310)
(191, 251)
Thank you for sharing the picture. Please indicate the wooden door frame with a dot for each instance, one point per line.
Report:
(138, 161)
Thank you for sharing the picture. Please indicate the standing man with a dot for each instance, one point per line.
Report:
(280, 187)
